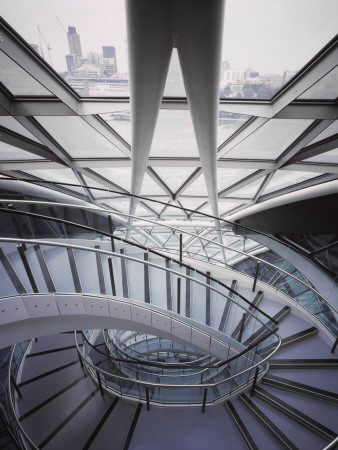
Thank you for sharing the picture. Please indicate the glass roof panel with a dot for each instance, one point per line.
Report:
(328, 132)
(118, 175)
(226, 207)
(286, 178)
(174, 86)
(55, 175)
(228, 123)
(226, 177)
(141, 211)
(174, 135)
(150, 187)
(120, 122)
(248, 191)
(88, 48)
(324, 89)
(78, 138)
(121, 204)
(197, 188)
(174, 177)
(17, 80)
(270, 140)
(11, 124)
(330, 157)
(158, 207)
(190, 203)
(256, 55)
(11, 153)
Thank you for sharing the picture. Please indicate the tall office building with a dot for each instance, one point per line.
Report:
(74, 47)
(109, 60)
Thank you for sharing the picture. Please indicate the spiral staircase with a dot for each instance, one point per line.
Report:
(266, 386)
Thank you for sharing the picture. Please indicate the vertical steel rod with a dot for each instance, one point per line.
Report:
(181, 247)
(256, 275)
(111, 231)
(204, 399)
(334, 345)
(179, 295)
(240, 334)
(100, 382)
(254, 382)
(147, 396)
(80, 359)
(111, 273)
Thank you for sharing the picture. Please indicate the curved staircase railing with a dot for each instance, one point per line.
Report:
(315, 302)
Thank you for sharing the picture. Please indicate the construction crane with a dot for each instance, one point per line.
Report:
(49, 48)
(63, 27)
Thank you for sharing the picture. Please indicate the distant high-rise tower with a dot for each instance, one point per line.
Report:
(108, 52)
(109, 60)
(74, 48)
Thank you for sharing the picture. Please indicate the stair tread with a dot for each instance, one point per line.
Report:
(285, 383)
(120, 419)
(297, 434)
(45, 420)
(209, 429)
(322, 412)
(84, 422)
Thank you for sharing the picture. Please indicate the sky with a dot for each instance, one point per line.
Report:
(269, 36)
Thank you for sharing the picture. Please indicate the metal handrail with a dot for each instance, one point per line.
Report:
(140, 197)
(131, 258)
(196, 369)
(145, 383)
(150, 250)
(190, 365)
(111, 213)
(113, 339)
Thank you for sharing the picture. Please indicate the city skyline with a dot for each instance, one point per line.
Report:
(259, 44)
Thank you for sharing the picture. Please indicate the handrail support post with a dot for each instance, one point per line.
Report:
(254, 382)
(147, 396)
(256, 276)
(16, 387)
(179, 295)
(100, 382)
(204, 399)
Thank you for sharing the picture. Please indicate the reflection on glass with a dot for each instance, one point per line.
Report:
(228, 123)
(286, 178)
(12, 124)
(17, 80)
(174, 135)
(11, 153)
(330, 157)
(78, 138)
(324, 89)
(120, 122)
(56, 175)
(328, 132)
(270, 140)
